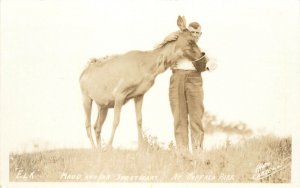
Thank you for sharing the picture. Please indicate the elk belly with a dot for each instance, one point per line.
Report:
(142, 88)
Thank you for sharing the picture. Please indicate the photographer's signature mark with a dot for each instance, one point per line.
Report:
(266, 169)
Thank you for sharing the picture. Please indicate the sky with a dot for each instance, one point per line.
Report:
(46, 44)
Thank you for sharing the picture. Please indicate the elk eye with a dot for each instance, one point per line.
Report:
(191, 41)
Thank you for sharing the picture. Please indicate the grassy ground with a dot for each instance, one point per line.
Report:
(264, 159)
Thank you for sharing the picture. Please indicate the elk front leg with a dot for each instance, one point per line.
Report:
(138, 110)
(117, 113)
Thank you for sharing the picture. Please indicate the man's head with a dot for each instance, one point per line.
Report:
(195, 29)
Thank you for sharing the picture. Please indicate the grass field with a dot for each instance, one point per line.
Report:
(262, 159)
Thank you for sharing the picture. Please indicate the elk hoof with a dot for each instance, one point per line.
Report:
(107, 148)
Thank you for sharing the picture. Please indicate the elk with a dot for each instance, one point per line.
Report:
(111, 82)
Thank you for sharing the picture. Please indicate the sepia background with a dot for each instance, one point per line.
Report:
(46, 44)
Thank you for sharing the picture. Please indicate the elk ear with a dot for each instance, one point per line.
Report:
(181, 23)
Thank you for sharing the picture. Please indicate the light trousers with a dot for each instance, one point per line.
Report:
(186, 100)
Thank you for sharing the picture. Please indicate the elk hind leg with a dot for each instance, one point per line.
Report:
(102, 113)
(87, 104)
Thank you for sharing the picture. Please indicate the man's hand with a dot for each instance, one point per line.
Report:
(211, 66)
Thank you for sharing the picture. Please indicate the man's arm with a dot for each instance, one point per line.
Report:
(200, 64)
(204, 64)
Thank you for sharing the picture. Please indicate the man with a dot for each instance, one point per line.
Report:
(186, 99)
